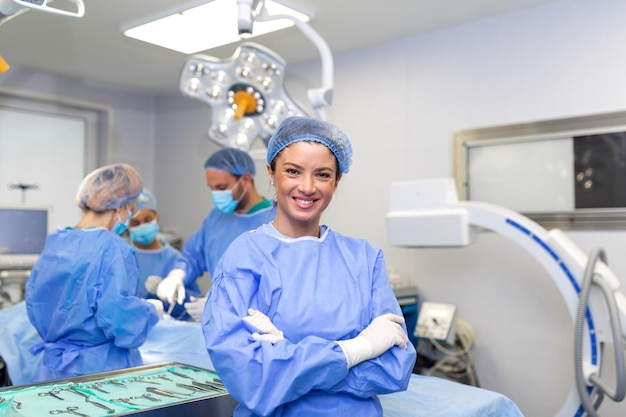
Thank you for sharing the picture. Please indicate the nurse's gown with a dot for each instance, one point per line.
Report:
(81, 298)
(317, 291)
(205, 247)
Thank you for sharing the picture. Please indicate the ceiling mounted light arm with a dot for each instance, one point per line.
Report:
(322, 96)
(245, 18)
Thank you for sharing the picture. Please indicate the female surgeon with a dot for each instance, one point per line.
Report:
(301, 320)
(155, 257)
(81, 294)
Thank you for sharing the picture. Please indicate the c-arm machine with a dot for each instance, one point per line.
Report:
(427, 213)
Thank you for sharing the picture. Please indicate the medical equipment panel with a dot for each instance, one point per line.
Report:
(23, 234)
(24, 231)
(157, 390)
(436, 321)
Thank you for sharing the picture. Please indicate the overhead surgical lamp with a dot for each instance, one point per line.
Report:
(246, 92)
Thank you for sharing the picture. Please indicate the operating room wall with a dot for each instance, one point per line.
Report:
(127, 116)
(400, 102)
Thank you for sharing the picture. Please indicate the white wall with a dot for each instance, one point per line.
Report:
(133, 117)
(400, 102)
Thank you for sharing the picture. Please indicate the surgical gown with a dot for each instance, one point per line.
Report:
(81, 298)
(204, 248)
(317, 291)
(160, 262)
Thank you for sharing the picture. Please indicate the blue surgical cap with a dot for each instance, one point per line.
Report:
(232, 160)
(109, 187)
(307, 129)
(146, 200)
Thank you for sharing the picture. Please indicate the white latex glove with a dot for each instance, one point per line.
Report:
(195, 308)
(267, 331)
(172, 288)
(152, 283)
(158, 304)
(383, 333)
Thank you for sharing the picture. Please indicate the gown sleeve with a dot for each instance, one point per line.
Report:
(192, 261)
(391, 371)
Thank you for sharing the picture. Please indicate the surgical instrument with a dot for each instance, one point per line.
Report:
(97, 386)
(75, 390)
(180, 375)
(193, 388)
(69, 410)
(51, 393)
(167, 393)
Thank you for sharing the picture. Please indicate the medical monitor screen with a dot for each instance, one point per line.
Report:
(22, 236)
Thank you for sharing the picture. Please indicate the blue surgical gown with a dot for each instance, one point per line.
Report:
(204, 248)
(317, 291)
(160, 262)
(81, 298)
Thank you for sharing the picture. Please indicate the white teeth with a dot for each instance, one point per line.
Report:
(304, 202)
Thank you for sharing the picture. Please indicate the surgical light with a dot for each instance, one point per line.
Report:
(246, 92)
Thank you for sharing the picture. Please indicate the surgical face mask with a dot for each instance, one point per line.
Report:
(120, 227)
(145, 233)
(223, 200)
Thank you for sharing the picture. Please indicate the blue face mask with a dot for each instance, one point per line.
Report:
(223, 200)
(144, 234)
(120, 227)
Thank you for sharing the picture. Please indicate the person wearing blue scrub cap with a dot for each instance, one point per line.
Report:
(306, 313)
(81, 295)
(238, 207)
(155, 256)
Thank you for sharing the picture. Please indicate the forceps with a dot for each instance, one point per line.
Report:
(52, 393)
(86, 397)
(69, 410)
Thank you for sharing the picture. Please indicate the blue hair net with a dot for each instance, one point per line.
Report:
(232, 160)
(307, 129)
(109, 187)
(146, 200)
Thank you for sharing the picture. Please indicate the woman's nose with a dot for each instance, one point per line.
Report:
(307, 184)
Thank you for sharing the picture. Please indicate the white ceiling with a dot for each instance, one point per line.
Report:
(93, 48)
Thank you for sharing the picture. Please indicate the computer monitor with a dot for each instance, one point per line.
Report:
(23, 231)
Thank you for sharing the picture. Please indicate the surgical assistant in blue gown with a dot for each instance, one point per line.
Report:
(159, 262)
(204, 248)
(81, 298)
(317, 291)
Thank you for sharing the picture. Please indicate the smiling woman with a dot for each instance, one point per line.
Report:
(277, 305)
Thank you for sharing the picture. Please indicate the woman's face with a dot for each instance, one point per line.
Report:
(305, 177)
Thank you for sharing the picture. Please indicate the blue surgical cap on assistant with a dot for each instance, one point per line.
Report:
(307, 129)
(231, 160)
(109, 187)
(146, 200)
